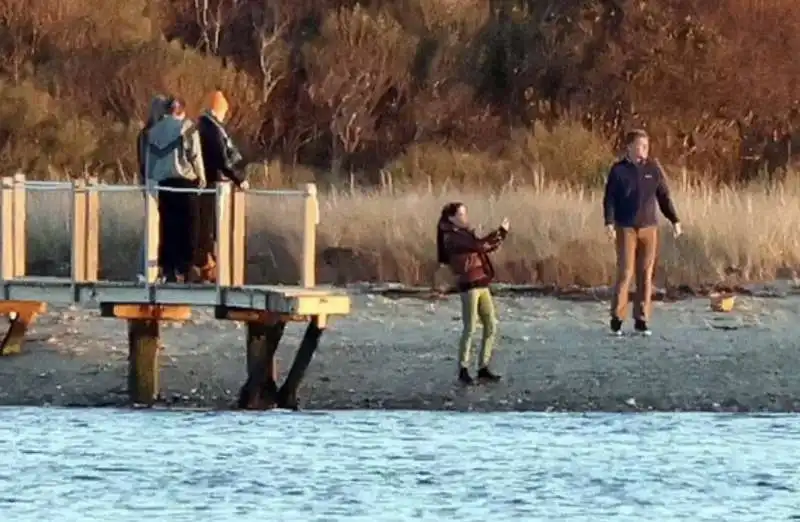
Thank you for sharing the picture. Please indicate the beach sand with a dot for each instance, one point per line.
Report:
(555, 355)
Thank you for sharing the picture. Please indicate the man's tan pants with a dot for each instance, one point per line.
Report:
(636, 258)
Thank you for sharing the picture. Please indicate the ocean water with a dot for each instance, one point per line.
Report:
(130, 465)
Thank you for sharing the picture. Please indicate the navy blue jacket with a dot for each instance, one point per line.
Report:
(632, 190)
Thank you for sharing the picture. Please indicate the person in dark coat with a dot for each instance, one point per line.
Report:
(222, 160)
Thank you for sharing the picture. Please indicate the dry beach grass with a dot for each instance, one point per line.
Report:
(387, 235)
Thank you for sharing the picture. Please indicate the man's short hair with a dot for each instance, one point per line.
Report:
(634, 135)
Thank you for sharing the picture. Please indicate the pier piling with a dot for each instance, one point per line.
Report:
(143, 341)
(260, 391)
(287, 394)
(20, 316)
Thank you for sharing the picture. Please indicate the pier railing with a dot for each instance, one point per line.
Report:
(85, 215)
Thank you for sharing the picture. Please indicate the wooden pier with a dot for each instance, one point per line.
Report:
(266, 309)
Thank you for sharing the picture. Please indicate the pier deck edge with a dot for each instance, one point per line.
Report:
(272, 298)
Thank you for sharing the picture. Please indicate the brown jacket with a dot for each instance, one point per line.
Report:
(468, 255)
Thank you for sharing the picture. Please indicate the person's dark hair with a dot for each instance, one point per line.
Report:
(448, 211)
(634, 135)
(175, 104)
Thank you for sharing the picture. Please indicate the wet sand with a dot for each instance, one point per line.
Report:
(555, 355)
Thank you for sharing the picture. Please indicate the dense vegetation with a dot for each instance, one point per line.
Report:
(469, 91)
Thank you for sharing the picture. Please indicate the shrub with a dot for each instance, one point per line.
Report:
(351, 88)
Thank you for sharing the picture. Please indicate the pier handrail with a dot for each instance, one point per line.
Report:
(85, 219)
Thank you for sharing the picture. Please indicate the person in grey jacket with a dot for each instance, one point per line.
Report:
(158, 108)
(174, 161)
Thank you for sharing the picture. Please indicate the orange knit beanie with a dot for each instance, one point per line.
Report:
(218, 104)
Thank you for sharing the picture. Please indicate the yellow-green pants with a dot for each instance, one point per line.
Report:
(477, 306)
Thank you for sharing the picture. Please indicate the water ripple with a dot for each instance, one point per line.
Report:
(82, 465)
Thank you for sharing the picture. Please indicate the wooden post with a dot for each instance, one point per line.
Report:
(238, 237)
(310, 222)
(287, 395)
(143, 341)
(20, 315)
(7, 228)
(151, 234)
(19, 226)
(260, 392)
(92, 230)
(79, 230)
(223, 236)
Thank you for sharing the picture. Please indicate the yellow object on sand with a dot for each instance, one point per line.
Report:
(722, 302)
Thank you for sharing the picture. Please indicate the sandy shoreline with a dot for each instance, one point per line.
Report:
(554, 355)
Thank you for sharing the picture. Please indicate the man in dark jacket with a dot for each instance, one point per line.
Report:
(221, 158)
(635, 185)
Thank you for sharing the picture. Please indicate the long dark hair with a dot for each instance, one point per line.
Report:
(448, 211)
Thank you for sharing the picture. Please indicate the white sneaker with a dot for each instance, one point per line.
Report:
(615, 327)
(642, 329)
